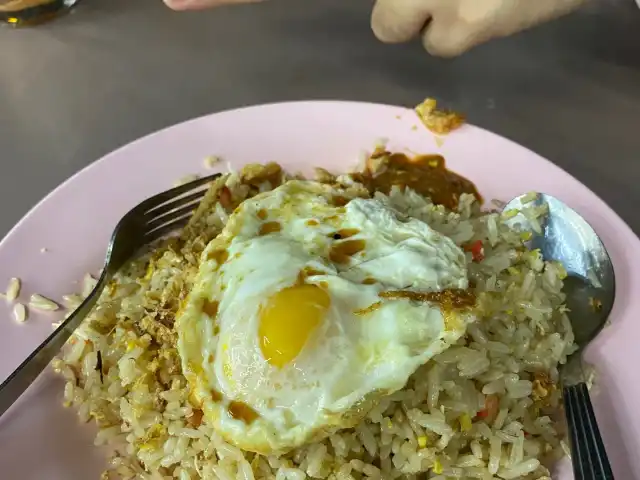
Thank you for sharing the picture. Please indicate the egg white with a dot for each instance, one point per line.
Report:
(364, 347)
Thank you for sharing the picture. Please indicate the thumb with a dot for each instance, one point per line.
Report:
(202, 4)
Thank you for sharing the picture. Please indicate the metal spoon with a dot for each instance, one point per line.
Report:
(566, 237)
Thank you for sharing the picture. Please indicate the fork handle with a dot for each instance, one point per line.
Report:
(588, 455)
(23, 376)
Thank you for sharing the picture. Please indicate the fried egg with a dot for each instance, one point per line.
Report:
(308, 308)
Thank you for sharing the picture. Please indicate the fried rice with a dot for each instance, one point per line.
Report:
(486, 408)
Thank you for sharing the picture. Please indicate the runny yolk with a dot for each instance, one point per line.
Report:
(288, 319)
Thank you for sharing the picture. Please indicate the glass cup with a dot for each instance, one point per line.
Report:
(18, 13)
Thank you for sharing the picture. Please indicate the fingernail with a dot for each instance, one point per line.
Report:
(192, 4)
(176, 4)
(202, 4)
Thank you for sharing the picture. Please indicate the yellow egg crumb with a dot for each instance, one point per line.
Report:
(149, 272)
(562, 273)
(153, 366)
(112, 288)
(422, 441)
(437, 467)
(438, 121)
(193, 399)
(506, 215)
(526, 236)
(465, 422)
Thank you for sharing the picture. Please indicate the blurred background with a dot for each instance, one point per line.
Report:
(75, 88)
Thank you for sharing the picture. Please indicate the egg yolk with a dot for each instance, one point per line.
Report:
(288, 319)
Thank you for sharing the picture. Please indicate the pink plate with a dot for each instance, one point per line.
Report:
(41, 440)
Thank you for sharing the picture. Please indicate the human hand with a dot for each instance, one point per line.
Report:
(202, 4)
(451, 27)
(448, 27)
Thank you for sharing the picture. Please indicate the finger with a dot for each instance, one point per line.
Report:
(395, 21)
(449, 37)
(452, 32)
(202, 4)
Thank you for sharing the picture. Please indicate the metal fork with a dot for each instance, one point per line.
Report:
(150, 220)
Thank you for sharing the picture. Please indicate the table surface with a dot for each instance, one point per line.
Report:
(115, 70)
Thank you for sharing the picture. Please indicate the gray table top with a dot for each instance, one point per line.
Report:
(114, 70)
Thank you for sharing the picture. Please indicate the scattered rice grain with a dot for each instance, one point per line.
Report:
(211, 161)
(13, 289)
(40, 302)
(186, 179)
(19, 312)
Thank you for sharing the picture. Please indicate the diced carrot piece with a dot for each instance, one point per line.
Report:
(491, 405)
(476, 249)
(225, 197)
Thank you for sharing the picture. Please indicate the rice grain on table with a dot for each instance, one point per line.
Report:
(40, 302)
(211, 161)
(185, 179)
(472, 412)
(88, 284)
(72, 301)
(19, 312)
(13, 289)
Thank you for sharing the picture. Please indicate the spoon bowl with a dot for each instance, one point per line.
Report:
(562, 235)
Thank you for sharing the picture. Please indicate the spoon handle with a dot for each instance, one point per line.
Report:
(588, 454)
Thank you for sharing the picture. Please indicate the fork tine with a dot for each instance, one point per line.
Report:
(166, 228)
(167, 217)
(168, 207)
(165, 196)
